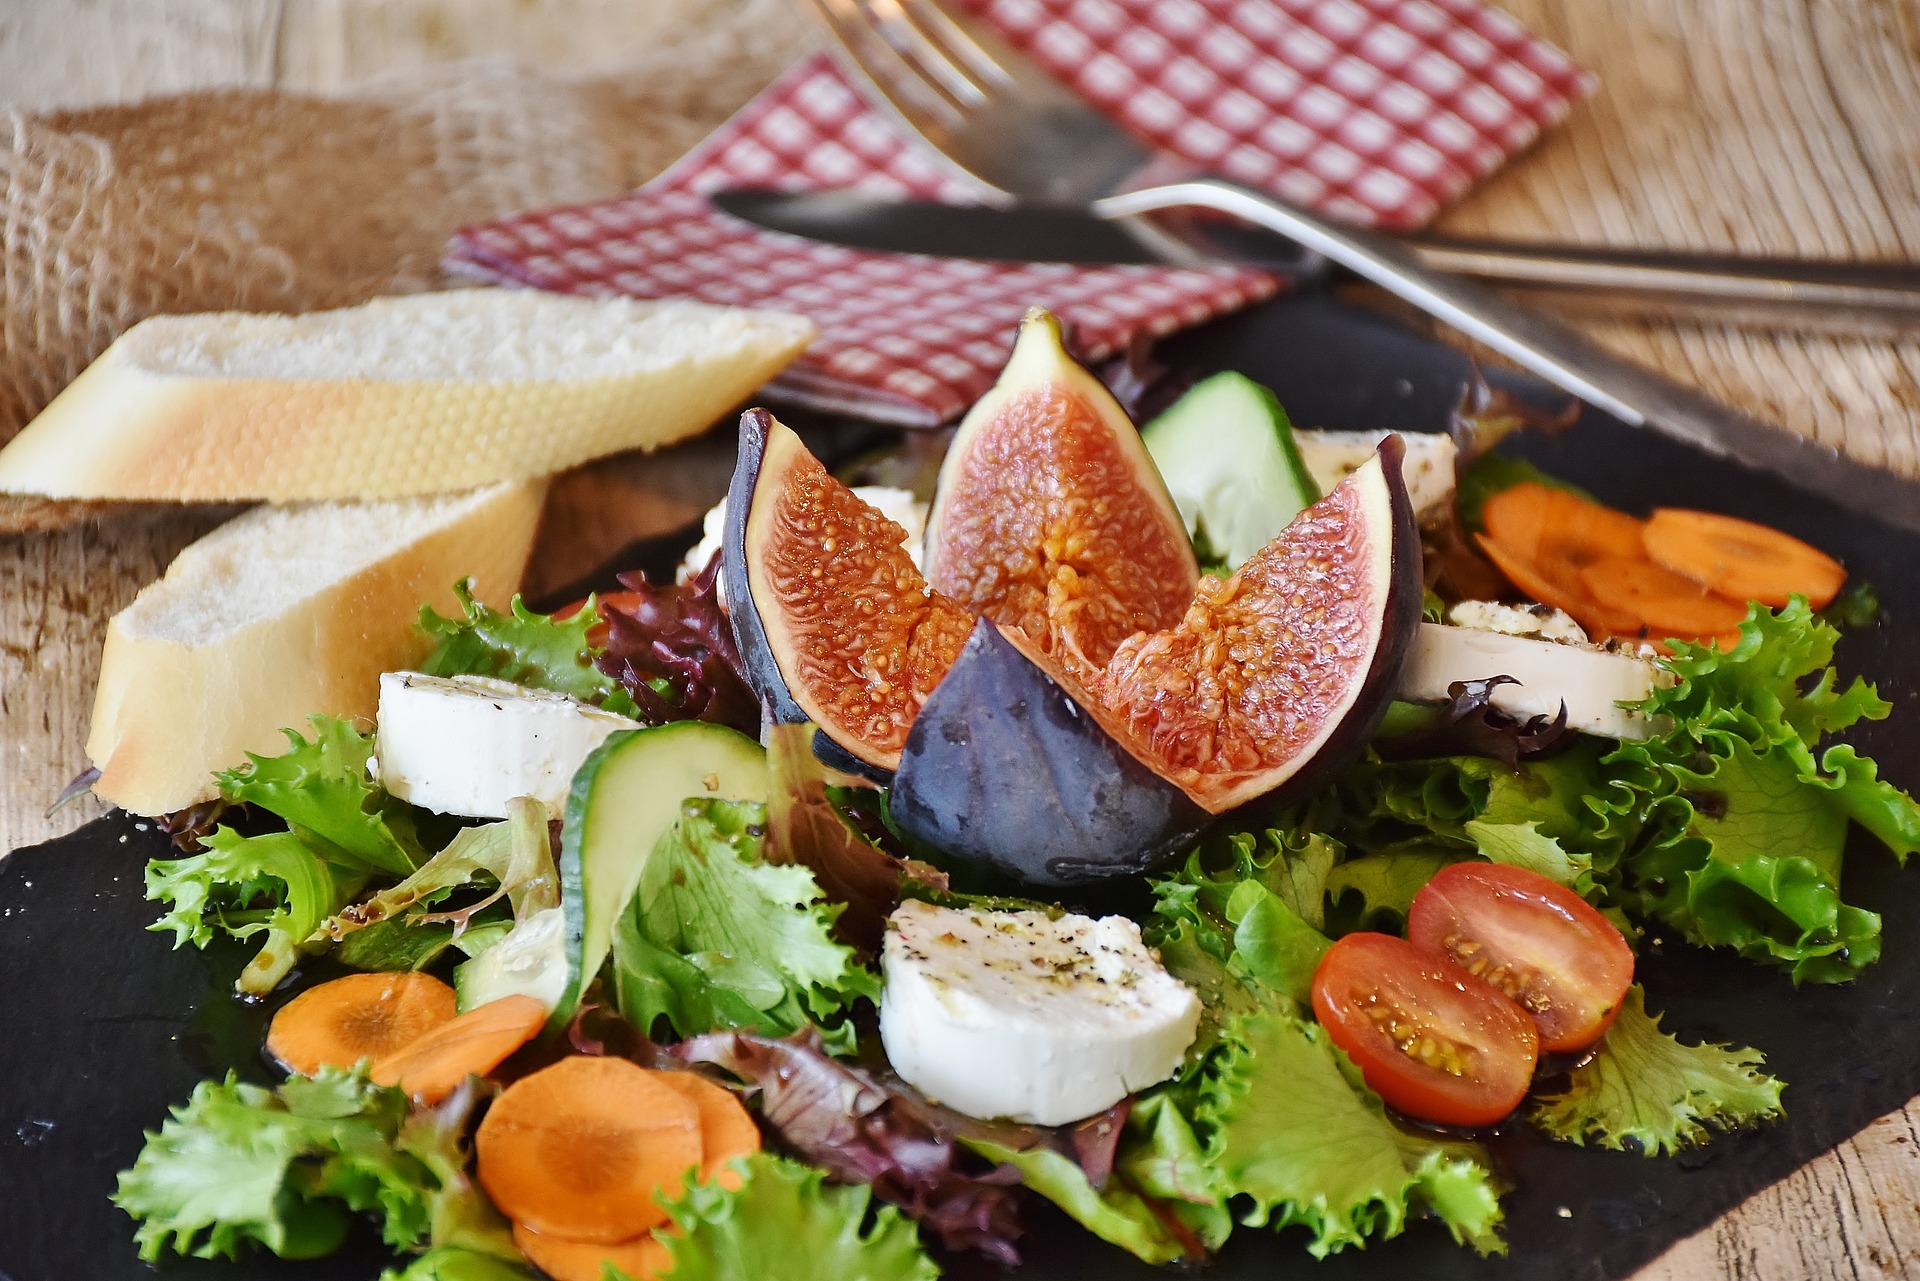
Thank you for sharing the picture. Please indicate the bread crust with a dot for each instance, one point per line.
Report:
(168, 713)
(122, 430)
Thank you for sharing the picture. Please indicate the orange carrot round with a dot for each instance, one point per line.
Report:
(1669, 604)
(432, 1066)
(1741, 560)
(1562, 591)
(577, 1150)
(727, 1130)
(1514, 517)
(361, 1016)
(642, 1259)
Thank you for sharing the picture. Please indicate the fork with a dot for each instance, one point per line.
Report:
(1002, 122)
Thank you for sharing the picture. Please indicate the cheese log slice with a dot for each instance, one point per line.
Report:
(423, 394)
(281, 614)
(1427, 466)
(469, 744)
(1022, 1016)
(1591, 682)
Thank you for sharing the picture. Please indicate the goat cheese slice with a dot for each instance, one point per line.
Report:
(1018, 1015)
(469, 744)
(1592, 682)
(1331, 456)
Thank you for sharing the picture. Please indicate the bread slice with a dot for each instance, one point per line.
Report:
(279, 614)
(422, 394)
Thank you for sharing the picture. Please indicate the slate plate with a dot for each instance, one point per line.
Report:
(102, 1026)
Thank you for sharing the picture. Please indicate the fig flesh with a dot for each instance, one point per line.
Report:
(1050, 516)
(1006, 769)
(835, 624)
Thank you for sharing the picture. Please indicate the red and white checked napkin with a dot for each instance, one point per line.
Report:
(1375, 111)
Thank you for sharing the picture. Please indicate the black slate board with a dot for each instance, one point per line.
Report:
(102, 1026)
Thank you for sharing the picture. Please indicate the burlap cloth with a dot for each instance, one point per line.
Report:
(269, 201)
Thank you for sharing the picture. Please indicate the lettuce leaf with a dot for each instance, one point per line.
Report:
(525, 647)
(805, 827)
(1644, 1091)
(1255, 922)
(861, 1130)
(782, 1220)
(451, 1263)
(1745, 825)
(719, 938)
(1117, 1213)
(323, 791)
(283, 1168)
(276, 886)
(515, 856)
(1162, 1156)
(1292, 1127)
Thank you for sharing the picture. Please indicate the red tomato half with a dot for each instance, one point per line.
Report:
(1431, 1039)
(1536, 940)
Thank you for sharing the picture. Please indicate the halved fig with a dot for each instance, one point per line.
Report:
(1006, 768)
(1050, 515)
(835, 624)
(1279, 675)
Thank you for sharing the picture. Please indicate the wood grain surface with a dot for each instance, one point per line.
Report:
(1775, 126)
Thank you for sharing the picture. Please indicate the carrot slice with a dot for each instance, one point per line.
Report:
(1669, 604)
(1742, 560)
(432, 1066)
(1563, 590)
(642, 1258)
(361, 1016)
(1528, 519)
(578, 1149)
(1514, 517)
(726, 1129)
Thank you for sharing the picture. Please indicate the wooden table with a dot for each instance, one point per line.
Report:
(1764, 126)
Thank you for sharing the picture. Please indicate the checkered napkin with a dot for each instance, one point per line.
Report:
(1375, 111)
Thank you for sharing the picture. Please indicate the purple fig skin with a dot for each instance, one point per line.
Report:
(756, 655)
(1003, 769)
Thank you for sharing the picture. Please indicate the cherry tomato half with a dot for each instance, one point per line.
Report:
(1532, 938)
(1431, 1039)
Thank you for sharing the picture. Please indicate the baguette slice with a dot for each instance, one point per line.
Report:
(422, 394)
(280, 614)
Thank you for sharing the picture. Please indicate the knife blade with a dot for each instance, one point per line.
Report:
(1851, 299)
(1050, 234)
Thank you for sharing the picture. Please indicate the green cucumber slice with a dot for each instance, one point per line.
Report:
(1228, 456)
(625, 796)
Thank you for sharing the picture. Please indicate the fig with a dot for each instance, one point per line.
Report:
(835, 625)
(1007, 769)
(1049, 515)
(1109, 700)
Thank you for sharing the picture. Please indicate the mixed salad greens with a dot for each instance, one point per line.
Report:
(747, 943)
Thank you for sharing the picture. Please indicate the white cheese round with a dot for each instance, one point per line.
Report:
(1016, 1015)
(1592, 682)
(469, 744)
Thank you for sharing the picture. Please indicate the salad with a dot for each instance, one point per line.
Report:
(1214, 828)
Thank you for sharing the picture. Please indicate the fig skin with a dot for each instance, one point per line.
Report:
(756, 654)
(1004, 769)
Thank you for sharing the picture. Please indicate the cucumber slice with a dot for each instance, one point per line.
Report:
(530, 961)
(625, 796)
(1228, 456)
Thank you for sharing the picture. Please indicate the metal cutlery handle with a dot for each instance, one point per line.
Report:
(1538, 343)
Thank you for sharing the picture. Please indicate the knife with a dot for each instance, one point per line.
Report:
(1047, 234)
(1854, 299)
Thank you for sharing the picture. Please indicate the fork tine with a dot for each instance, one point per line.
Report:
(921, 106)
(900, 29)
(959, 43)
